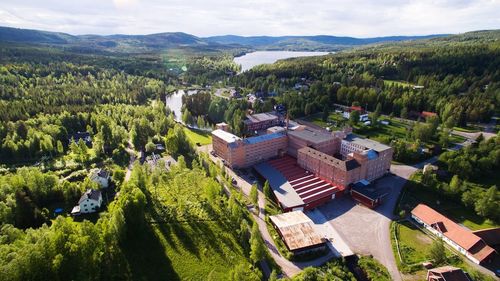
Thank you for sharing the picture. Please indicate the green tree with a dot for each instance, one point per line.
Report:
(254, 195)
(257, 249)
(437, 252)
(267, 189)
(354, 117)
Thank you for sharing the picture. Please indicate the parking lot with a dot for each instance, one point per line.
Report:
(367, 231)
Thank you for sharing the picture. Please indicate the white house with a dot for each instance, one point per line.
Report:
(90, 202)
(101, 177)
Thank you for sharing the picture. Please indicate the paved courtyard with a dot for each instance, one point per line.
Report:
(367, 231)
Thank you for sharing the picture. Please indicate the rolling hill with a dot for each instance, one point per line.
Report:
(170, 40)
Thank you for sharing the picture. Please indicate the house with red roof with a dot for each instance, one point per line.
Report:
(458, 237)
(447, 273)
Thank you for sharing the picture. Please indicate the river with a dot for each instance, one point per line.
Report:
(174, 102)
(250, 60)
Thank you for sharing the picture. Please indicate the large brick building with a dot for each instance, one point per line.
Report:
(319, 165)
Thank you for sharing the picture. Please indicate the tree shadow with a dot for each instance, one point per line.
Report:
(146, 256)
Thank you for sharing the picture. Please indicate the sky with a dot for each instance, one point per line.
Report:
(358, 18)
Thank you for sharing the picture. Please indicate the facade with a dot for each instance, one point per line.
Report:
(447, 273)
(458, 237)
(101, 177)
(242, 153)
(297, 232)
(90, 202)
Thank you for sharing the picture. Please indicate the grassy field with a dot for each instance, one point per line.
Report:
(397, 83)
(413, 246)
(415, 194)
(382, 133)
(198, 136)
(335, 121)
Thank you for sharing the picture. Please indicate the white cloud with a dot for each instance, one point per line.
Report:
(361, 18)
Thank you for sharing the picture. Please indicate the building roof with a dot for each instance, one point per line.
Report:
(266, 137)
(282, 189)
(276, 129)
(448, 273)
(296, 229)
(347, 165)
(458, 234)
(369, 191)
(367, 143)
(260, 117)
(90, 194)
(490, 236)
(226, 136)
(428, 114)
(311, 135)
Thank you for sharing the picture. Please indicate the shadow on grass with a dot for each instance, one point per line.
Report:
(146, 257)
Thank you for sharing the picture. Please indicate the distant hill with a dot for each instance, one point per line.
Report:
(318, 42)
(118, 42)
(170, 40)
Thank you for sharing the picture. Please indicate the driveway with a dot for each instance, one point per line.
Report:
(367, 231)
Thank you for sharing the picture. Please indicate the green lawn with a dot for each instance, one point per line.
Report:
(382, 133)
(335, 121)
(414, 244)
(397, 83)
(198, 136)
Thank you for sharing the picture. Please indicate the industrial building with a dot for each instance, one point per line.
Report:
(304, 166)
(297, 232)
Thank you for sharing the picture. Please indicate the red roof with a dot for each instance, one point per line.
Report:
(358, 108)
(458, 234)
(426, 114)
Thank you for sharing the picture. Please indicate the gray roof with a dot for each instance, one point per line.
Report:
(311, 135)
(90, 194)
(338, 163)
(226, 136)
(282, 189)
(257, 139)
(260, 117)
(368, 143)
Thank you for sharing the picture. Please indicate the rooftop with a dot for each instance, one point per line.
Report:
(261, 138)
(90, 194)
(297, 230)
(448, 273)
(338, 163)
(226, 136)
(368, 143)
(369, 191)
(312, 135)
(458, 234)
(260, 117)
(282, 189)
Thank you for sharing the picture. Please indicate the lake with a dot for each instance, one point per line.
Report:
(267, 57)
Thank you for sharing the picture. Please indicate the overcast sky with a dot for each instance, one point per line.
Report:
(359, 18)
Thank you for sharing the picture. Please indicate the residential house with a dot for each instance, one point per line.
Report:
(100, 176)
(85, 136)
(90, 202)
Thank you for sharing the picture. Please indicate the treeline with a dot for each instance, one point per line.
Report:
(460, 83)
(206, 69)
